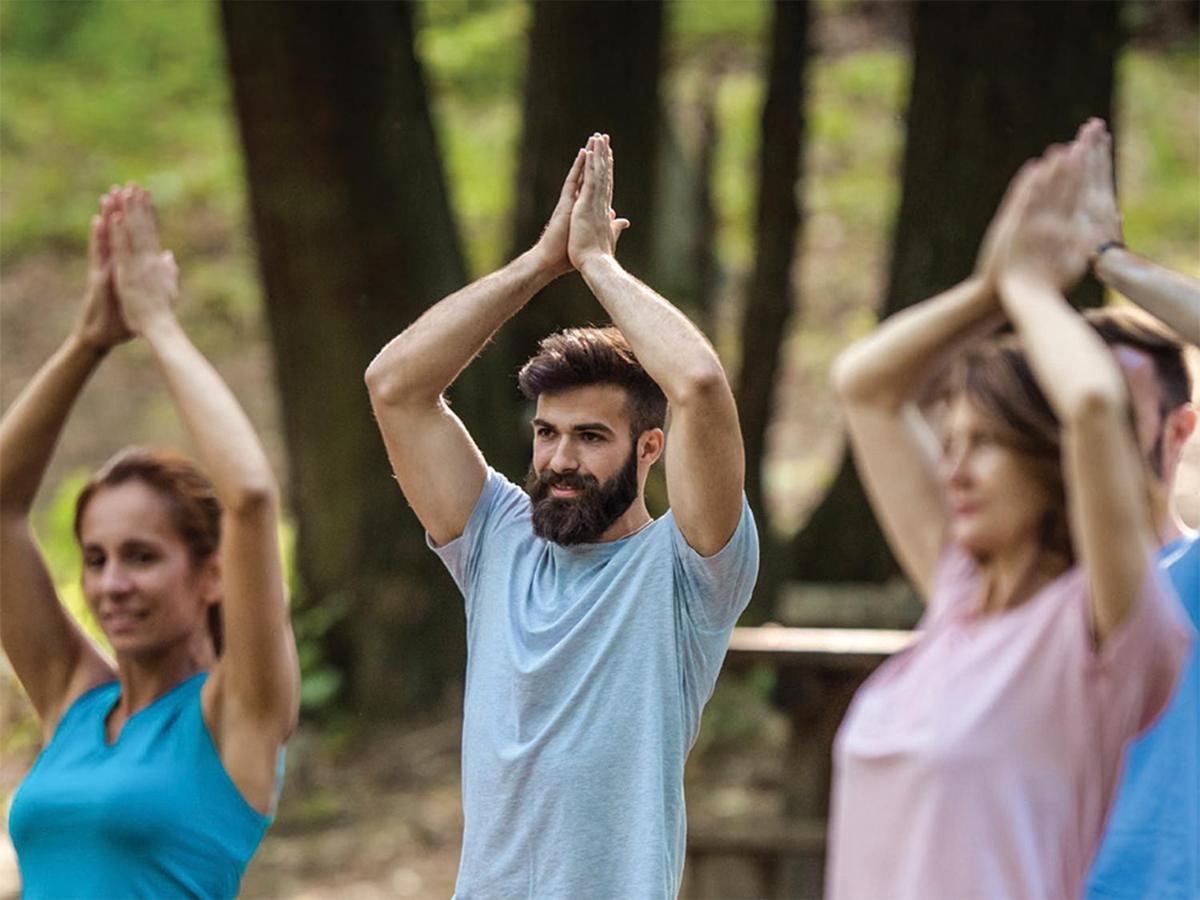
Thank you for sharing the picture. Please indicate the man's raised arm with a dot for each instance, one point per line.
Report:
(705, 459)
(439, 468)
(1171, 297)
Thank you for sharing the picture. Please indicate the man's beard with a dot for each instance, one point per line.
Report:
(583, 518)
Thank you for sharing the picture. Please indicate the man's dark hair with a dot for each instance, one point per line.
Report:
(1141, 331)
(577, 357)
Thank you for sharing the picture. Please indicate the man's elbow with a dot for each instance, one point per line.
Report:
(386, 381)
(702, 384)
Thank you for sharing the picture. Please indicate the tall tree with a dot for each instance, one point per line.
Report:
(770, 300)
(592, 67)
(992, 85)
(355, 238)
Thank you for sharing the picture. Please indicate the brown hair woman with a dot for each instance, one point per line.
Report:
(162, 764)
(981, 763)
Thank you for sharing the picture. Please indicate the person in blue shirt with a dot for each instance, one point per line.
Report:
(1151, 845)
(161, 764)
(594, 632)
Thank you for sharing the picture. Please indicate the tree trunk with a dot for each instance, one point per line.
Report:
(993, 84)
(592, 67)
(769, 303)
(355, 239)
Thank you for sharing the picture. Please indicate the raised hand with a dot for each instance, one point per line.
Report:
(1041, 246)
(552, 245)
(1097, 220)
(147, 278)
(1003, 222)
(100, 325)
(595, 227)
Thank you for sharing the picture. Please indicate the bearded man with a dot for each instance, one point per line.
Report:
(594, 632)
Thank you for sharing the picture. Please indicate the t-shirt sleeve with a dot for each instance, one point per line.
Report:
(715, 589)
(1143, 658)
(500, 502)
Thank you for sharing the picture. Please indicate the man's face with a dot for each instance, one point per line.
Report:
(584, 474)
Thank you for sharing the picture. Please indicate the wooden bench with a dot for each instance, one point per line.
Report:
(818, 670)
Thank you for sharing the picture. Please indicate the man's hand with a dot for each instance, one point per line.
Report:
(100, 325)
(147, 278)
(1097, 218)
(551, 247)
(595, 227)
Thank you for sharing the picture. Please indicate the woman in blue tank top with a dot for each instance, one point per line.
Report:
(161, 767)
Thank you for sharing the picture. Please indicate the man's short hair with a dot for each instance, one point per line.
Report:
(577, 357)
(1131, 327)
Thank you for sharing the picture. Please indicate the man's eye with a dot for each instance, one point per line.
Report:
(93, 561)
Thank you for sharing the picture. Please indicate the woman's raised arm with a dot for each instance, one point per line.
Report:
(880, 379)
(1110, 516)
(51, 656)
(252, 698)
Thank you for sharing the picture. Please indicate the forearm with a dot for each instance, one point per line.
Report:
(30, 428)
(672, 350)
(423, 360)
(1172, 298)
(893, 363)
(1072, 366)
(227, 446)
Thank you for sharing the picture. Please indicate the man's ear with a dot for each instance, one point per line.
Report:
(1184, 422)
(1176, 430)
(650, 446)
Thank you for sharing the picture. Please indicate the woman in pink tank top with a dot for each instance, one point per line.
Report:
(981, 762)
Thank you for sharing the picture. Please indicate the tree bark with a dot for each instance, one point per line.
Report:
(355, 239)
(771, 297)
(992, 85)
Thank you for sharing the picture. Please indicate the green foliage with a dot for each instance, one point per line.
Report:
(320, 682)
(1158, 155)
(702, 25)
(474, 58)
(739, 711)
(96, 94)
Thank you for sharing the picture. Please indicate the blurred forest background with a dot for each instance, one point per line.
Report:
(326, 171)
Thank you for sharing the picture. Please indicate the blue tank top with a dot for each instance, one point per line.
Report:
(154, 814)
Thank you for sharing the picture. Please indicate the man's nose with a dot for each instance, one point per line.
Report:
(564, 459)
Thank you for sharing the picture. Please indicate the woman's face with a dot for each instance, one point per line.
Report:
(994, 500)
(138, 576)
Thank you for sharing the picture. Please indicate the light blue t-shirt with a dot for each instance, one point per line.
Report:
(153, 814)
(1151, 846)
(587, 669)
